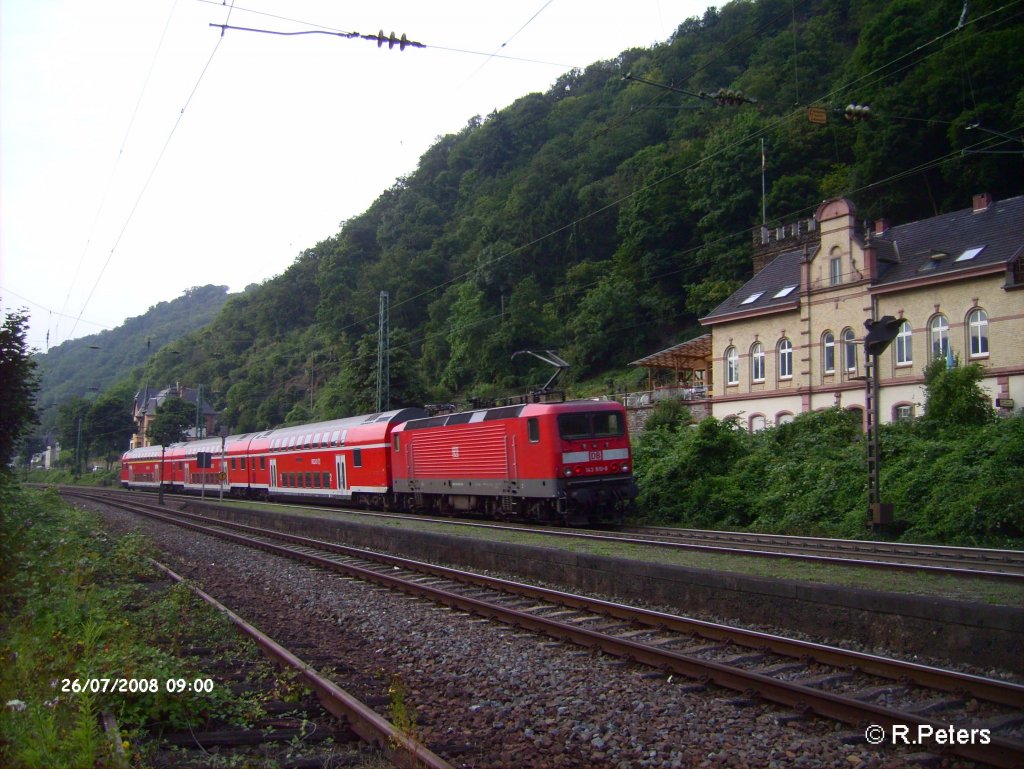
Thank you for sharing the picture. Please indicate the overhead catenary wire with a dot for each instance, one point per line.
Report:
(149, 178)
(117, 161)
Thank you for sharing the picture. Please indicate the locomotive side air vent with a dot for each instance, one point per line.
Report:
(505, 412)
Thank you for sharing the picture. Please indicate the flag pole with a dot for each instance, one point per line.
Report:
(764, 220)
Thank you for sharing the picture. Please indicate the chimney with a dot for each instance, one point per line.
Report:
(870, 258)
(982, 201)
(881, 226)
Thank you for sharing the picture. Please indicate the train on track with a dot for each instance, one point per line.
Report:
(567, 463)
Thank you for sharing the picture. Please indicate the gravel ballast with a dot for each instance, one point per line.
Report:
(486, 695)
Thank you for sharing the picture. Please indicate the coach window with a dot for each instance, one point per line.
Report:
(309, 480)
(316, 441)
(263, 463)
(357, 457)
(334, 438)
(233, 464)
(243, 463)
(327, 480)
(316, 480)
(533, 429)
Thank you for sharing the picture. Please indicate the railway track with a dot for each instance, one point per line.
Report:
(998, 565)
(851, 687)
(986, 561)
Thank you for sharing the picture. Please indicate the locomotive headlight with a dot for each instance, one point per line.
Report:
(568, 472)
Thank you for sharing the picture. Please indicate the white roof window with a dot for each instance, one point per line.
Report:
(970, 253)
(753, 297)
(785, 291)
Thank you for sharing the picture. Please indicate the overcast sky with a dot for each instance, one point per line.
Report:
(142, 152)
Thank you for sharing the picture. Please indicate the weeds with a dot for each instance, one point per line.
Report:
(75, 612)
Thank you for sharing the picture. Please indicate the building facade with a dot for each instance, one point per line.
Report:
(791, 339)
(147, 402)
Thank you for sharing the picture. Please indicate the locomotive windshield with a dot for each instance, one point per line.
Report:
(592, 424)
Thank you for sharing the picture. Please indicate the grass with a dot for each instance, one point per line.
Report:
(79, 605)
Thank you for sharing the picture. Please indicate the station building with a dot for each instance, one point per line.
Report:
(790, 340)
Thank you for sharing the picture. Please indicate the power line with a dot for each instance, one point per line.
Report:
(149, 178)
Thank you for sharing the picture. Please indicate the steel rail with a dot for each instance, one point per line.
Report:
(998, 751)
(879, 550)
(989, 689)
(401, 749)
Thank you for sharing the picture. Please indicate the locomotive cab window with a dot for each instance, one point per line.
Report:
(608, 424)
(532, 429)
(397, 441)
(596, 424)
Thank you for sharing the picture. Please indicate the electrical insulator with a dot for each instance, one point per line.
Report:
(729, 97)
(857, 112)
(391, 40)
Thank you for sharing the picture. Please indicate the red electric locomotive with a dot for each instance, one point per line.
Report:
(564, 462)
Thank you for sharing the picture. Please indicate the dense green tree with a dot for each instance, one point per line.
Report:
(173, 418)
(954, 398)
(72, 428)
(18, 384)
(109, 423)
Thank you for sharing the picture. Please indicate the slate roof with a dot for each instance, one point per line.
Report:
(767, 287)
(943, 245)
(906, 252)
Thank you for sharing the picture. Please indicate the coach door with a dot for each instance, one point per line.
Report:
(273, 473)
(342, 476)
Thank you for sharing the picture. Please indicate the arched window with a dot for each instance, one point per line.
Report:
(757, 362)
(783, 418)
(732, 366)
(785, 359)
(977, 327)
(835, 267)
(757, 423)
(904, 345)
(849, 350)
(828, 353)
(938, 333)
(903, 412)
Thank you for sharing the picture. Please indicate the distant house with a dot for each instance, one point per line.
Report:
(147, 402)
(790, 340)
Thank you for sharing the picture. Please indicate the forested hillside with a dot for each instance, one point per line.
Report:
(95, 363)
(603, 217)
